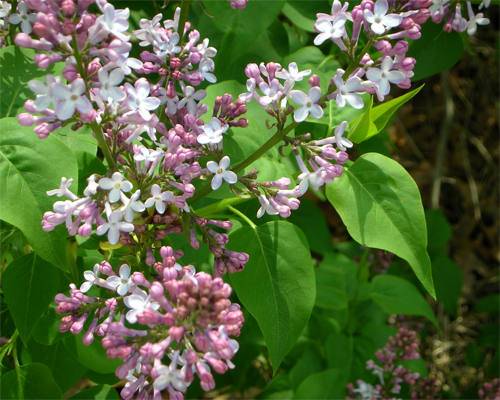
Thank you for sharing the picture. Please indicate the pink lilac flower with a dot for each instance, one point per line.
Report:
(330, 30)
(384, 75)
(23, 18)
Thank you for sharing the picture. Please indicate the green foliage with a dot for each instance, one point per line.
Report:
(26, 172)
(29, 284)
(98, 392)
(277, 285)
(436, 50)
(376, 195)
(398, 296)
(32, 381)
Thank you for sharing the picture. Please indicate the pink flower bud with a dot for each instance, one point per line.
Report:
(25, 119)
(70, 73)
(23, 40)
(39, 29)
(90, 116)
(176, 332)
(314, 80)
(383, 47)
(68, 7)
(367, 5)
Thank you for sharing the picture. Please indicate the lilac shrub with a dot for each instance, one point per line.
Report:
(166, 321)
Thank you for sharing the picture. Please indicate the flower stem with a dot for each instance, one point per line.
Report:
(102, 144)
(183, 18)
(274, 140)
(243, 217)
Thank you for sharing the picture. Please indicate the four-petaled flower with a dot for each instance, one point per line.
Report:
(116, 185)
(341, 141)
(137, 302)
(123, 283)
(212, 133)
(44, 96)
(170, 375)
(330, 30)
(345, 91)
(114, 226)
(72, 98)
(190, 98)
(307, 103)
(158, 198)
(220, 172)
(138, 99)
(91, 277)
(384, 75)
(109, 82)
(379, 20)
(23, 18)
(132, 205)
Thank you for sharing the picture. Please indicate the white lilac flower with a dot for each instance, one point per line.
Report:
(92, 186)
(330, 30)
(293, 73)
(271, 93)
(438, 5)
(63, 189)
(307, 103)
(379, 19)
(212, 133)
(345, 91)
(72, 98)
(137, 302)
(484, 3)
(168, 48)
(205, 70)
(220, 172)
(251, 86)
(114, 226)
(337, 9)
(5, 8)
(44, 96)
(367, 391)
(23, 18)
(109, 83)
(341, 141)
(132, 205)
(139, 99)
(384, 75)
(190, 98)
(111, 22)
(91, 277)
(475, 20)
(173, 23)
(123, 284)
(205, 51)
(148, 31)
(170, 376)
(314, 178)
(265, 207)
(116, 185)
(158, 198)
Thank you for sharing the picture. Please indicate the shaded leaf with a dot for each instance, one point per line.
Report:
(32, 381)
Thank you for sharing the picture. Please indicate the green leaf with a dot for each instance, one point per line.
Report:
(28, 168)
(311, 221)
(329, 384)
(66, 370)
(298, 18)
(490, 336)
(399, 296)
(46, 331)
(98, 392)
(438, 228)
(474, 357)
(362, 127)
(338, 349)
(331, 290)
(448, 281)
(32, 381)
(380, 205)
(18, 68)
(277, 285)
(435, 51)
(373, 120)
(310, 363)
(384, 112)
(489, 304)
(29, 284)
(93, 356)
(244, 27)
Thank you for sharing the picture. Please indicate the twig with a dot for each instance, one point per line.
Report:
(410, 140)
(470, 178)
(443, 139)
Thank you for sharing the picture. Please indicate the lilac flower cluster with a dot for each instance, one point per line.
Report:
(403, 346)
(185, 318)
